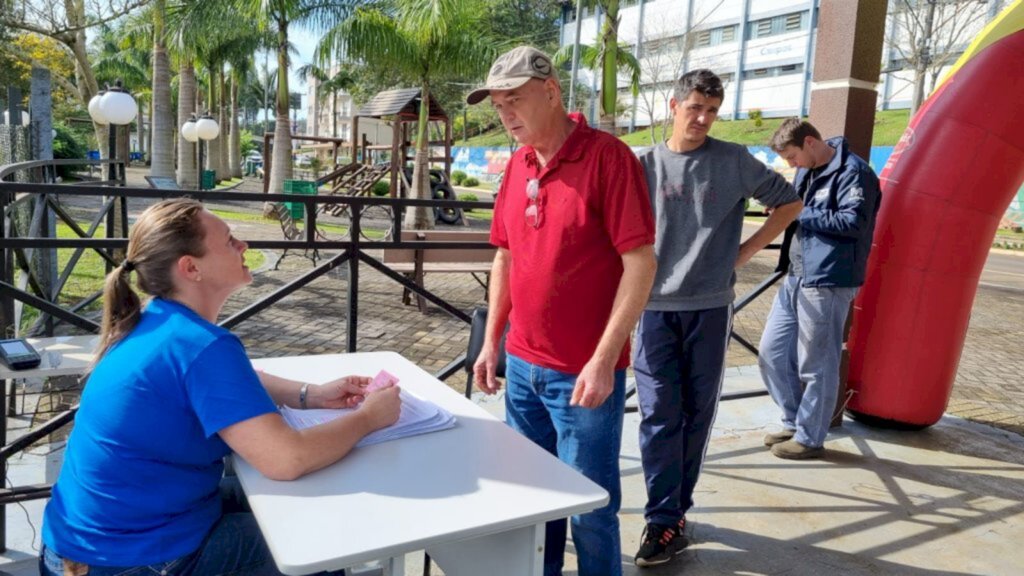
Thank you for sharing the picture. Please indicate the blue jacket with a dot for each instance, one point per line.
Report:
(838, 219)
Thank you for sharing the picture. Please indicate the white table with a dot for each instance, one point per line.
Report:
(475, 497)
(60, 355)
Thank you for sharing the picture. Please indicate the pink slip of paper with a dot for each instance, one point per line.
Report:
(383, 379)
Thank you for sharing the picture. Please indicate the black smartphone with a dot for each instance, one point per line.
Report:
(18, 354)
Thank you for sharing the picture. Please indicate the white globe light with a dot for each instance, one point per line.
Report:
(24, 118)
(207, 128)
(94, 110)
(189, 132)
(118, 107)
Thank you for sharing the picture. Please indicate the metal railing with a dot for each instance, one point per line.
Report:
(353, 252)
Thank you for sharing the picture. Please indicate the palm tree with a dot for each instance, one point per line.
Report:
(429, 40)
(593, 58)
(610, 55)
(277, 16)
(116, 58)
(162, 127)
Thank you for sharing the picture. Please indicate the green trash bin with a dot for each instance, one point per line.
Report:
(301, 187)
(208, 180)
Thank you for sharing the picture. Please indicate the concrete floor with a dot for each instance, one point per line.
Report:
(948, 500)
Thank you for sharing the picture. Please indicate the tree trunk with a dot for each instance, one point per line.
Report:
(281, 167)
(421, 217)
(162, 127)
(609, 67)
(223, 168)
(235, 139)
(188, 175)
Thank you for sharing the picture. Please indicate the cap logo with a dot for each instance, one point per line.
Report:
(540, 65)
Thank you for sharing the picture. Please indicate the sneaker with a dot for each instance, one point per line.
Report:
(793, 450)
(660, 543)
(778, 437)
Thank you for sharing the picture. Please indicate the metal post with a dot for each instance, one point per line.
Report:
(353, 276)
(199, 145)
(111, 152)
(575, 56)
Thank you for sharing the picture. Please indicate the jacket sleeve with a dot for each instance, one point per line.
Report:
(856, 201)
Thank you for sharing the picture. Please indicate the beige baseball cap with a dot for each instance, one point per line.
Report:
(513, 69)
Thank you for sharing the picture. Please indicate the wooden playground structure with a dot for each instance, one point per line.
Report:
(371, 163)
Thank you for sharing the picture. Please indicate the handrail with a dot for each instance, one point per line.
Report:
(8, 169)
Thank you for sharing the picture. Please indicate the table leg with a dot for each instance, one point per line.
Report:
(3, 464)
(394, 566)
(517, 552)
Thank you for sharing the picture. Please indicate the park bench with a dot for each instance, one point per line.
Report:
(416, 263)
(291, 232)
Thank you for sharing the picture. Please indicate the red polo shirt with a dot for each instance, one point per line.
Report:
(592, 207)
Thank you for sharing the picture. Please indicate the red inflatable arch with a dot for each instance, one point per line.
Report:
(944, 190)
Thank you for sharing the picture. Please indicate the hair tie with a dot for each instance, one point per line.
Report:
(128, 266)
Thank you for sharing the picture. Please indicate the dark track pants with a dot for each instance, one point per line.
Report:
(679, 363)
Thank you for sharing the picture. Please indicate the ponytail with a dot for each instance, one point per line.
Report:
(121, 307)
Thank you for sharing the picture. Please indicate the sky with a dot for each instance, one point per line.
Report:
(305, 43)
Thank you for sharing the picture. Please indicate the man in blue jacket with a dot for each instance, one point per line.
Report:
(803, 338)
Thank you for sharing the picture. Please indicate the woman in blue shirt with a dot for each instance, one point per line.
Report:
(171, 394)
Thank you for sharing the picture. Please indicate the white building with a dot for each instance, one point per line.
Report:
(331, 115)
(763, 49)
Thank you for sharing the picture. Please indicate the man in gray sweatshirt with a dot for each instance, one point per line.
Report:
(699, 187)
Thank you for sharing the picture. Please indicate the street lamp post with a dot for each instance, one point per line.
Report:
(207, 129)
(202, 130)
(113, 107)
(188, 132)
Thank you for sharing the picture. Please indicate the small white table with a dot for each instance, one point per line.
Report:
(59, 356)
(475, 497)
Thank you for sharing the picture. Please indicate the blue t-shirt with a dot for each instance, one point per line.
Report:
(140, 478)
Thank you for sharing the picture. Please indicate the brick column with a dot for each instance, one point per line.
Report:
(847, 63)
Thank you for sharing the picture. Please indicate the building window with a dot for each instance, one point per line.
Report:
(793, 22)
(729, 33)
(783, 24)
(716, 36)
(773, 71)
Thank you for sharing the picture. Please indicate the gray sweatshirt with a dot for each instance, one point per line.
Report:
(698, 199)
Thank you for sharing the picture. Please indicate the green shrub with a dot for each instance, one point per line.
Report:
(381, 188)
(458, 176)
(470, 182)
(757, 116)
(68, 143)
(468, 197)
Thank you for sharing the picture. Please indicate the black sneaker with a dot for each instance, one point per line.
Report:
(660, 543)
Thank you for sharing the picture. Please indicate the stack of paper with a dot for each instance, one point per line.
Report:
(418, 416)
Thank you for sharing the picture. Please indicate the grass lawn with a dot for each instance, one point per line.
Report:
(232, 216)
(889, 126)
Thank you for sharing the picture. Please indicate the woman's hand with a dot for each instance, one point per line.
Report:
(345, 392)
(382, 407)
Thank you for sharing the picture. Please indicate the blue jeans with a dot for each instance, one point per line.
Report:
(234, 545)
(537, 406)
(679, 361)
(801, 348)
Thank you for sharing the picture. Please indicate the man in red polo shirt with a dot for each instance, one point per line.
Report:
(575, 263)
